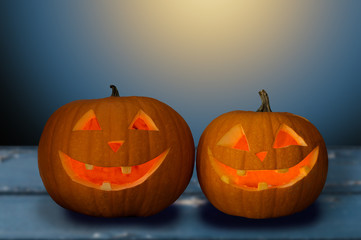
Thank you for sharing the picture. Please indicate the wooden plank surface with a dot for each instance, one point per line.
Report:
(27, 212)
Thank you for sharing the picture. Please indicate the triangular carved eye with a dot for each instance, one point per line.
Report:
(286, 136)
(87, 122)
(142, 121)
(235, 138)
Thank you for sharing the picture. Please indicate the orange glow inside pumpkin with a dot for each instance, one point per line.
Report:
(143, 122)
(286, 136)
(115, 145)
(87, 122)
(242, 144)
(261, 155)
(111, 178)
(235, 138)
(140, 124)
(251, 179)
(92, 124)
(110, 174)
(284, 139)
(116, 177)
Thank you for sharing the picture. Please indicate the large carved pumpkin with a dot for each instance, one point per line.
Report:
(261, 164)
(116, 156)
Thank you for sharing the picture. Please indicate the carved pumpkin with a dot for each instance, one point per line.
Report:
(116, 156)
(261, 164)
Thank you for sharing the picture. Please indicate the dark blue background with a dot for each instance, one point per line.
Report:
(203, 58)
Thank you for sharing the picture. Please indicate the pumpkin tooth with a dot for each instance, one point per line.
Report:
(225, 179)
(283, 170)
(89, 166)
(241, 172)
(305, 170)
(262, 185)
(106, 186)
(126, 170)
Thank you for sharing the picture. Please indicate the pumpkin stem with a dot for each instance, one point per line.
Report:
(265, 106)
(115, 92)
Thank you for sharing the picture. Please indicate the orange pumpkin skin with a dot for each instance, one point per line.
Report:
(227, 193)
(148, 195)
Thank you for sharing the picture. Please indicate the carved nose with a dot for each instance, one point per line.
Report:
(261, 155)
(115, 145)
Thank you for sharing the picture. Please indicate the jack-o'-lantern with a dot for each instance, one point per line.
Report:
(261, 164)
(116, 156)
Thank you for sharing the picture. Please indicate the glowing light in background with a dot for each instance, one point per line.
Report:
(197, 43)
(202, 57)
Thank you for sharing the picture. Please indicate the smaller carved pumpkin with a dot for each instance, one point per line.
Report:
(261, 164)
(116, 156)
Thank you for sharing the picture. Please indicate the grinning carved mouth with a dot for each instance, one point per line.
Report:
(110, 178)
(254, 180)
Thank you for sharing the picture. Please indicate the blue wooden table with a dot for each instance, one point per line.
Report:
(27, 211)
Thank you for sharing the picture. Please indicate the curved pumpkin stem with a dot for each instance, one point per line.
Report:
(265, 106)
(115, 92)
